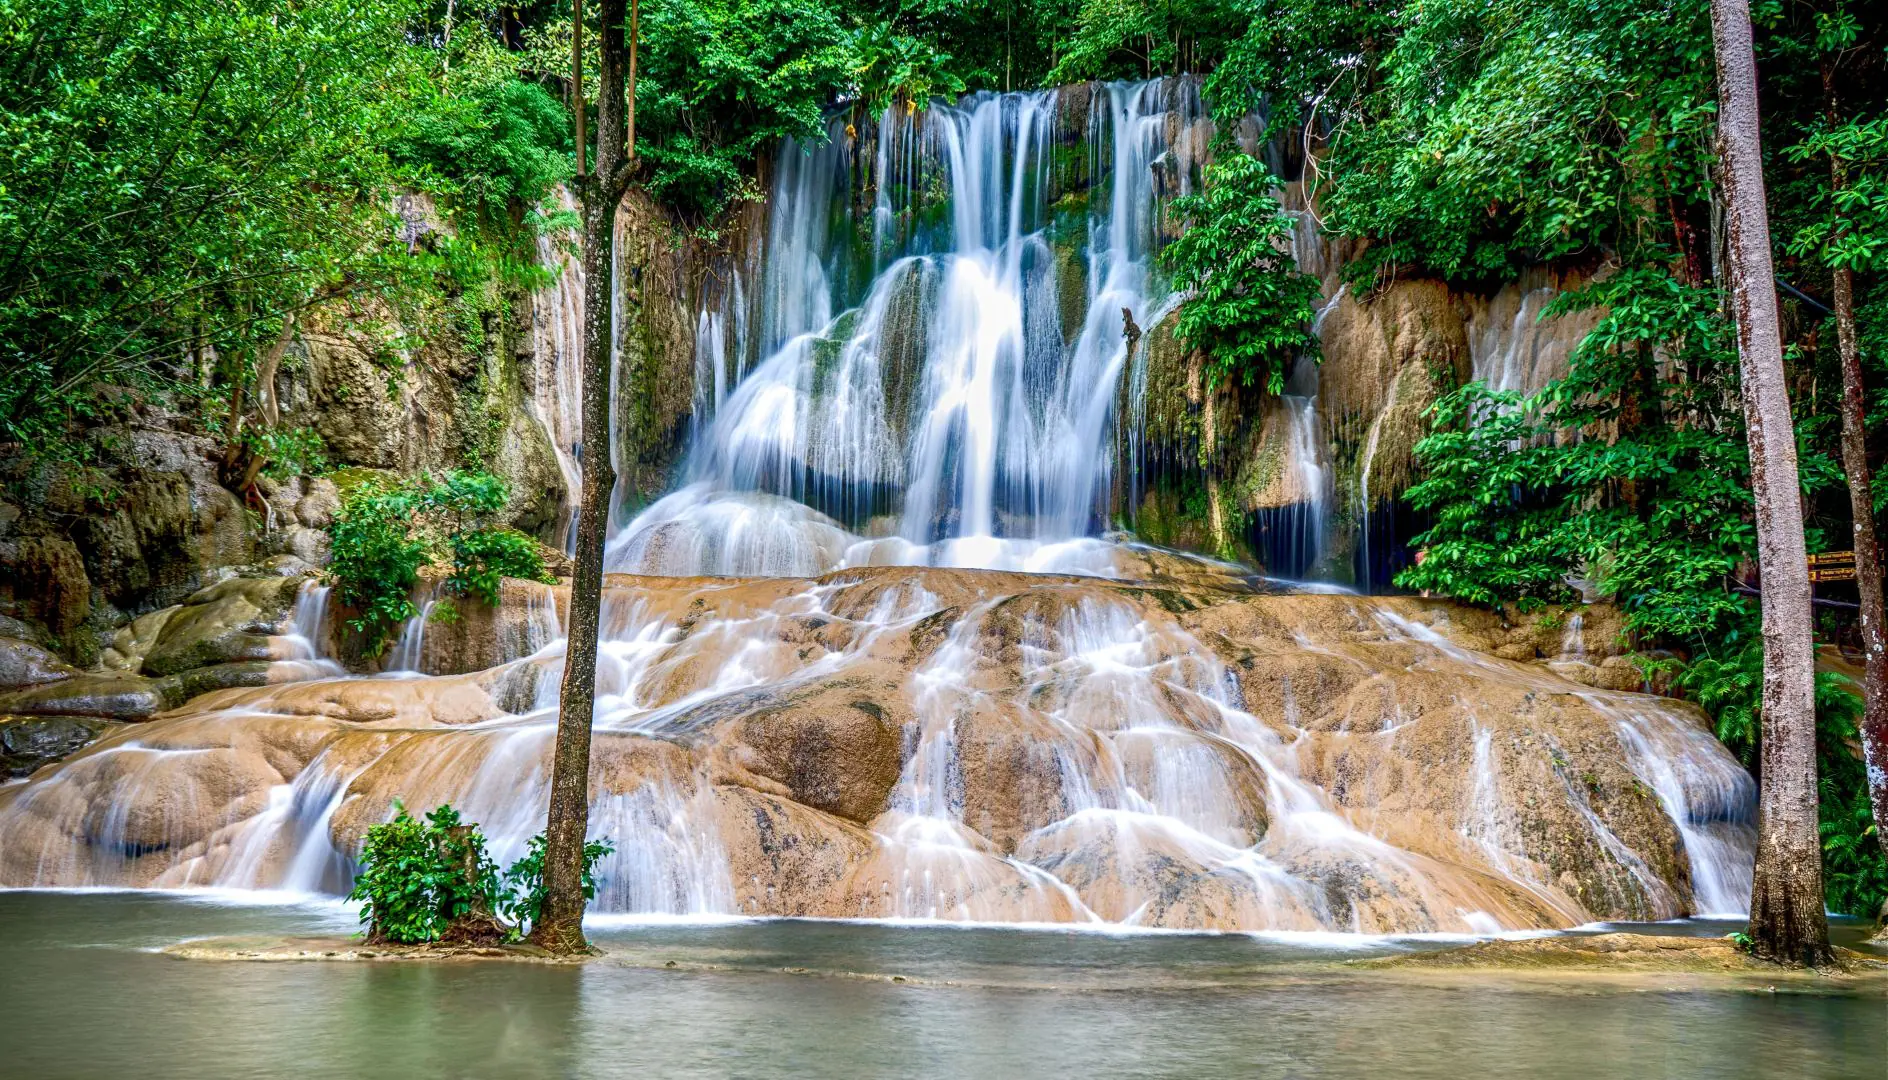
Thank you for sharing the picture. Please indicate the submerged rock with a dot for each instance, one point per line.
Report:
(1600, 954)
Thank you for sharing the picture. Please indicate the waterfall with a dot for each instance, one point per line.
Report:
(302, 653)
(947, 409)
(408, 655)
(828, 697)
(557, 384)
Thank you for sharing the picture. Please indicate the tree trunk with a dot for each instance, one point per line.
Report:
(1868, 571)
(576, 82)
(559, 926)
(1787, 922)
(478, 924)
(1868, 568)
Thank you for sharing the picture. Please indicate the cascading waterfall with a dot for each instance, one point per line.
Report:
(953, 413)
(868, 713)
(557, 339)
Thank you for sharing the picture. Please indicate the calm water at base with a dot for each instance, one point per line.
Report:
(83, 993)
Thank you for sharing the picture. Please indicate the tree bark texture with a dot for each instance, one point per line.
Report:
(1787, 920)
(1868, 570)
(559, 926)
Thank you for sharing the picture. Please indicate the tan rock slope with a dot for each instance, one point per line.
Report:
(972, 745)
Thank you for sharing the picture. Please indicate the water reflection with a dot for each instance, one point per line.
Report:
(84, 996)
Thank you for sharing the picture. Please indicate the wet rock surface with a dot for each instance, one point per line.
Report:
(115, 697)
(230, 621)
(1627, 953)
(964, 745)
(28, 742)
(23, 663)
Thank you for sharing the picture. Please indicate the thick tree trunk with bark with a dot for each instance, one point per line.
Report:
(1787, 922)
(1867, 556)
(559, 926)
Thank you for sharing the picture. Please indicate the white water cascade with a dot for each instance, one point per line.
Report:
(557, 338)
(951, 414)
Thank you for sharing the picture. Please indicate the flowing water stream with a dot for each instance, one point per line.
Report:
(878, 655)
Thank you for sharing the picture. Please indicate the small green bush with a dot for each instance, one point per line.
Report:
(420, 878)
(387, 531)
(524, 881)
(429, 880)
(1249, 308)
(481, 558)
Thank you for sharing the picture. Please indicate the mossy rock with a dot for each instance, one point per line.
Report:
(114, 697)
(186, 685)
(230, 621)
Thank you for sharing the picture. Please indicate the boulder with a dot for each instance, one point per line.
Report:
(230, 621)
(785, 858)
(188, 684)
(134, 640)
(29, 742)
(114, 697)
(23, 663)
(836, 748)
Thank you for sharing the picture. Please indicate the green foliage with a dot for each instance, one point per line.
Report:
(892, 67)
(1849, 226)
(376, 559)
(496, 147)
(386, 532)
(718, 81)
(1855, 875)
(481, 558)
(524, 880)
(1628, 473)
(178, 178)
(1471, 138)
(418, 877)
(1248, 308)
(1116, 39)
(174, 177)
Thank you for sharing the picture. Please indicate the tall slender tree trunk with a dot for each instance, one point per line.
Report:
(1787, 922)
(1868, 570)
(559, 926)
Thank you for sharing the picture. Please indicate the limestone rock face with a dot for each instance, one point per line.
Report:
(899, 742)
(230, 621)
(45, 582)
(663, 267)
(1387, 358)
(451, 402)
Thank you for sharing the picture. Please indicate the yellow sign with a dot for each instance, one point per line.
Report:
(1832, 566)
